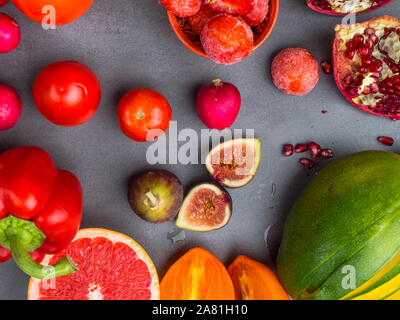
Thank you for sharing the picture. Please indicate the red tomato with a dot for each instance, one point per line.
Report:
(66, 10)
(67, 93)
(144, 114)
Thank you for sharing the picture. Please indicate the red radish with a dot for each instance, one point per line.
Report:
(10, 107)
(218, 104)
(10, 34)
(3, 2)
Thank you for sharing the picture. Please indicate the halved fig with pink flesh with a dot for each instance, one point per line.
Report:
(366, 62)
(344, 7)
(234, 163)
(207, 207)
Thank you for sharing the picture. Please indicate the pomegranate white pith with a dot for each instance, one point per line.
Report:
(367, 65)
(343, 7)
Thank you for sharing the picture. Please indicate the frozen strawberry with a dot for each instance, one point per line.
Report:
(295, 71)
(236, 7)
(198, 21)
(258, 12)
(182, 8)
(227, 39)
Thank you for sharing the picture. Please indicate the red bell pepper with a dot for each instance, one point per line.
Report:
(40, 211)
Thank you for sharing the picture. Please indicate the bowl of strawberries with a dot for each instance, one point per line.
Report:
(225, 31)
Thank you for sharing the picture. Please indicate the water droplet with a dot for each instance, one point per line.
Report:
(176, 235)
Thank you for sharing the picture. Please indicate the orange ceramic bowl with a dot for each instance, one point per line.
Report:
(183, 31)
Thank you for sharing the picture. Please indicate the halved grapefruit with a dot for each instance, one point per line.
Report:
(112, 266)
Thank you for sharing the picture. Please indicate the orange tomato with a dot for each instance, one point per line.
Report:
(144, 114)
(254, 281)
(197, 275)
(66, 10)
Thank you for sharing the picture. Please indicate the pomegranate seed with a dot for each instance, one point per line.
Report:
(362, 70)
(348, 80)
(307, 163)
(326, 67)
(327, 153)
(386, 140)
(364, 51)
(315, 149)
(366, 60)
(288, 150)
(350, 45)
(352, 92)
(374, 88)
(367, 90)
(300, 147)
(369, 43)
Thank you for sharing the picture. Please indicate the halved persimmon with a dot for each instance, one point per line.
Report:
(254, 281)
(197, 275)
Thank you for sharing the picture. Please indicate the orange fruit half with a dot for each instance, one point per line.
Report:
(197, 275)
(254, 281)
(112, 266)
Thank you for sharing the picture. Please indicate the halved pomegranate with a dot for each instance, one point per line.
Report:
(366, 62)
(344, 7)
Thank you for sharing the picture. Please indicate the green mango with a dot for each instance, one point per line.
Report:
(349, 215)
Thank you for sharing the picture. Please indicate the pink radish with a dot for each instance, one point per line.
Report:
(10, 33)
(218, 104)
(10, 107)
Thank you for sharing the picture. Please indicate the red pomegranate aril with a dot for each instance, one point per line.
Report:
(371, 86)
(288, 150)
(348, 80)
(301, 147)
(350, 53)
(362, 70)
(395, 68)
(364, 51)
(375, 66)
(374, 88)
(369, 31)
(388, 141)
(352, 92)
(369, 43)
(374, 39)
(315, 149)
(367, 90)
(307, 163)
(327, 153)
(358, 41)
(326, 67)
